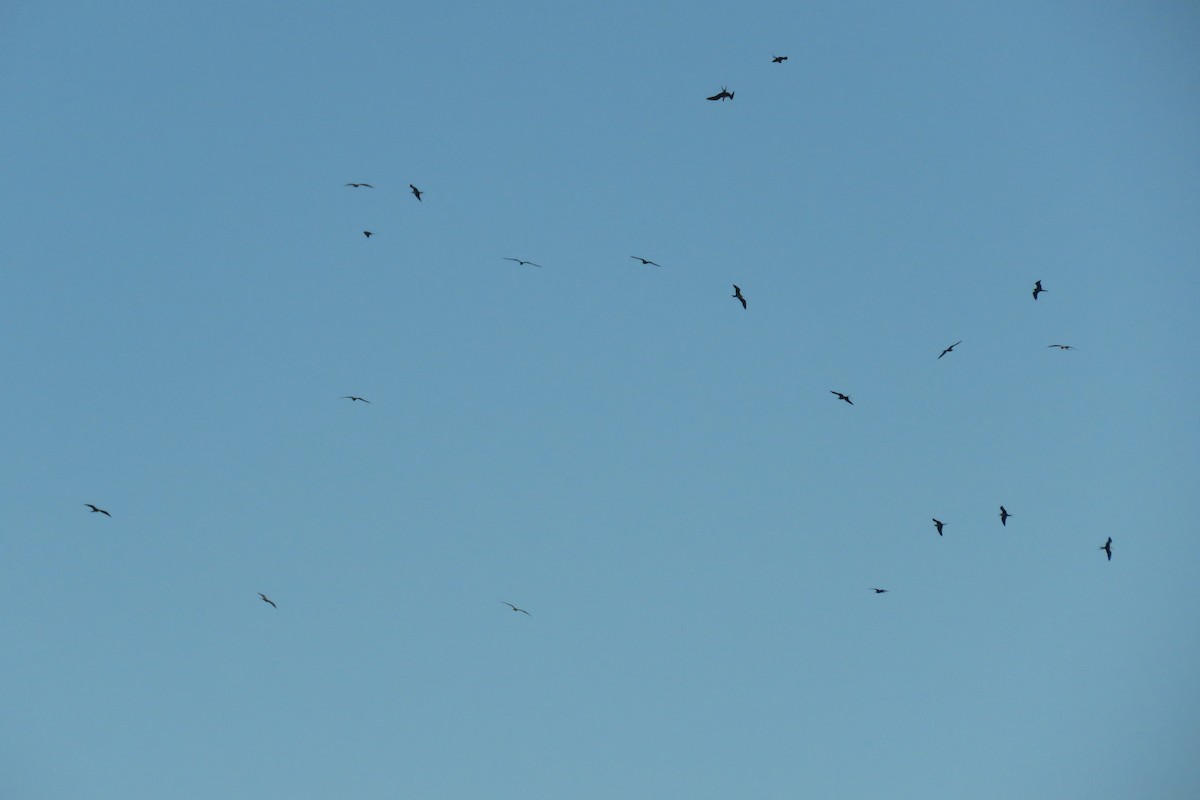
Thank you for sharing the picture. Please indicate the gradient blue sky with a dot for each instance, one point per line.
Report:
(661, 478)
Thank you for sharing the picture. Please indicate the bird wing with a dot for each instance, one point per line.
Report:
(523, 611)
(715, 97)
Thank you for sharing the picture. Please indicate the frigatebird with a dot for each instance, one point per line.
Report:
(646, 261)
(353, 398)
(514, 608)
(368, 234)
(737, 292)
(97, 510)
(778, 59)
(722, 95)
(1037, 289)
(1004, 515)
(416, 191)
(841, 396)
(937, 523)
(1063, 346)
(878, 591)
(356, 185)
(522, 263)
(267, 600)
(951, 347)
(1107, 548)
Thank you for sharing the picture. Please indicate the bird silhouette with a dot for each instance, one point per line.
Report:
(778, 59)
(1063, 346)
(267, 600)
(1004, 515)
(646, 261)
(1037, 289)
(841, 396)
(878, 591)
(356, 185)
(416, 192)
(737, 292)
(368, 234)
(951, 347)
(514, 608)
(1107, 548)
(937, 523)
(96, 510)
(522, 263)
(722, 95)
(353, 397)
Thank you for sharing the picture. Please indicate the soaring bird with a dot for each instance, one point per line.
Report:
(352, 398)
(878, 591)
(368, 234)
(738, 294)
(514, 608)
(951, 347)
(1037, 289)
(356, 185)
(1107, 548)
(522, 263)
(267, 600)
(841, 396)
(937, 523)
(97, 510)
(722, 95)
(1004, 515)
(1063, 346)
(417, 192)
(646, 261)
(778, 59)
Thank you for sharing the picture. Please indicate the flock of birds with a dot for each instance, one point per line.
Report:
(722, 95)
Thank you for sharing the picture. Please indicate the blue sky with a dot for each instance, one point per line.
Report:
(660, 477)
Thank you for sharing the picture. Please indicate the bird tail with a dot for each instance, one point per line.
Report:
(731, 94)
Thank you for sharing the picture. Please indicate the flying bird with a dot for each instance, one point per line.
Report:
(267, 600)
(841, 396)
(352, 398)
(737, 292)
(97, 510)
(951, 347)
(878, 591)
(1004, 515)
(356, 185)
(778, 59)
(1037, 289)
(1063, 346)
(368, 234)
(522, 263)
(514, 608)
(417, 192)
(646, 261)
(937, 523)
(722, 95)
(1107, 548)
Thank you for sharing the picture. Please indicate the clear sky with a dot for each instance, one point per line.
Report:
(661, 478)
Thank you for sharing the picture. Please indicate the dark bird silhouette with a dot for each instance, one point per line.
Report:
(267, 600)
(1063, 346)
(722, 95)
(514, 608)
(937, 523)
(1107, 548)
(1037, 289)
(737, 292)
(522, 263)
(841, 396)
(416, 192)
(878, 591)
(353, 397)
(356, 185)
(951, 347)
(368, 234)
(1004, 515)
(646, 261)
(778, 59)
(97, 510)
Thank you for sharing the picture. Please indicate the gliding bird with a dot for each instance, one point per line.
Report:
(268, 600)
(646, 261)
(738, 294)
(841, 396)
(1107, 548)
(937, 523)
(417, 192)
(951, 347)
(97, 510)
(522, 263)
(1037, 289)
(722, 95)
(514, 608)
(1004, 515)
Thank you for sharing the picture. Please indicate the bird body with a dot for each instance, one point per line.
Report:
(722, 95)
(737, 292)
(951, 347)
(1107, 548)
(268, 600)
(96, 510)
(1004, 515)
(1037, 289)
(841, 396)
(937, 523)
(416, 192)
(514, 608)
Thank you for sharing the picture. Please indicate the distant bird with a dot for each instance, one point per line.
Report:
(878, 591)
(356, 185)
(97, 510)
(353, 398)
(778, 59)
(416, 192)
(951, 347)
(722, 95)
(514, 608)
(522, 263)
(1063, 346)
(1004, 515)
(267, 600)
(1107, 548)
(646, 261)
(937, 523)
(841, 396)
(368, 234)
(737, 292)
(1037, 289)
